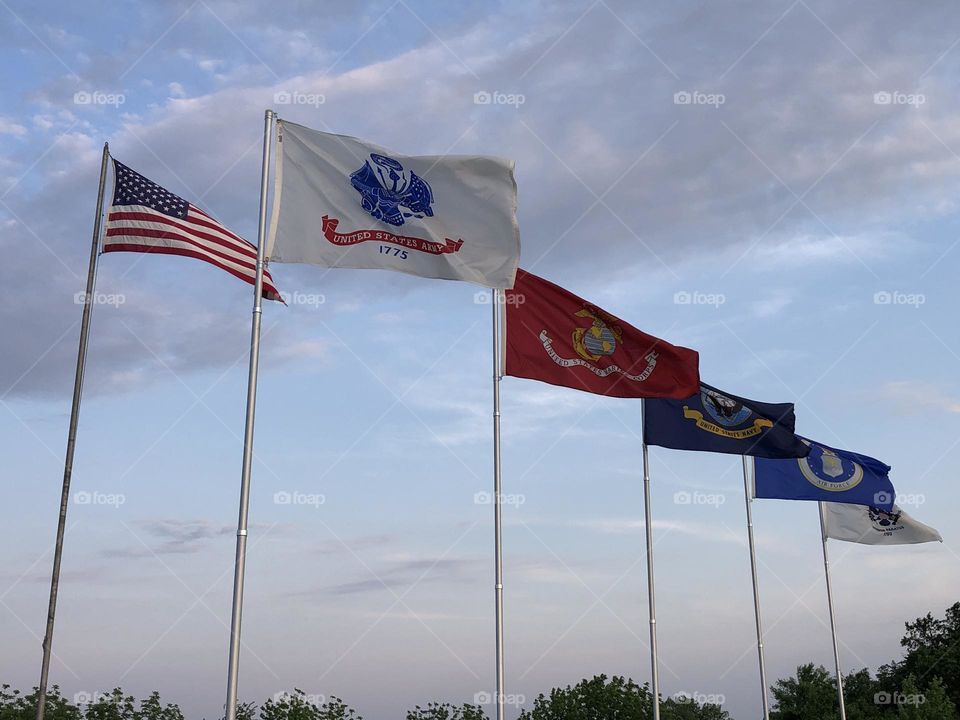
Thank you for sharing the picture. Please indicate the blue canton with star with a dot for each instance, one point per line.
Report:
(132, 188)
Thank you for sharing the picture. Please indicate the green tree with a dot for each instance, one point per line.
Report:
(595, 699)
(932, 650)
(859, 694)
(445, 711)
(677, 709)
(810, 695)
(115, 706)
(932, 704)
(297, 706)
(16, 706)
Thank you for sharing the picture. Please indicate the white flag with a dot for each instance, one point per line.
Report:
(341, 202)
(872, 526)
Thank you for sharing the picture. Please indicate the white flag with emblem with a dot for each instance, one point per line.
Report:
(340, 202)
(872, 526)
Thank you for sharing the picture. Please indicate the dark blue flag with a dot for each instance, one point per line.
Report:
(712, 421)
(828, 475)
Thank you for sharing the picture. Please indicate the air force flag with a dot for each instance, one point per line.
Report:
(826, 475)
(712, 421)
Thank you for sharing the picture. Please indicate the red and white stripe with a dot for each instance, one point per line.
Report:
(137, 228)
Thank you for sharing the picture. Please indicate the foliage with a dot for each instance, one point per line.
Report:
(16, 706)
(932, 651)
(616, 699)
(812, 693)
(445, 711)
(298, 706)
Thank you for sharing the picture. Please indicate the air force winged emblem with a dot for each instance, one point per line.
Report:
(727, 417)
(828, 471)
(387, 190)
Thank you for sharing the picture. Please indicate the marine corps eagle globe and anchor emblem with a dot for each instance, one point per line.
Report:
(392, 194)
(597, 340)
(728, 416)
(826, 470)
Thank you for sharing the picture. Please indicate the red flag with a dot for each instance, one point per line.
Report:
(555, 337)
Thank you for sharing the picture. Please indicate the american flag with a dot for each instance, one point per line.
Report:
(147, 218)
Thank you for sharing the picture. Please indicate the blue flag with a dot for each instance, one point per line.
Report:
(827, 475)
(712, 421)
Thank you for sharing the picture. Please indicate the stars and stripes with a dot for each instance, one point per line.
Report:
(145, 217)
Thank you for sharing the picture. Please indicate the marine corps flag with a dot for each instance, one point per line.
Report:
(712, 421)
(826, 475)
(558, 338)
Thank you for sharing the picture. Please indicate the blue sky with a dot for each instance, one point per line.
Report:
(791, 168)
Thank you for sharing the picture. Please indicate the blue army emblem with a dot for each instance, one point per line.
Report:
(828, 471)
(390, 193)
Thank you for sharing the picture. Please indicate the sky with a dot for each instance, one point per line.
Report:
(771, 183)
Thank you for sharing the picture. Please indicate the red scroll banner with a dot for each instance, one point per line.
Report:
(358, 236)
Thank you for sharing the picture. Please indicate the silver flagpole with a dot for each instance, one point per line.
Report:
(497, 296)
(234, 663)
(651, 593)
(756, 589)
(72, 436)
(833, 623)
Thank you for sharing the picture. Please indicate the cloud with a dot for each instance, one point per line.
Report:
(912, 397)
(810, 172)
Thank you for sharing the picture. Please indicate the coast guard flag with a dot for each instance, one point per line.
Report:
(558, 338)
(341, 202)
(873, 526)
(712, 421)
(825, 475)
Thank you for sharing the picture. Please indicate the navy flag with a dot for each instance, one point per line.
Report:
(712, 421)
(826, 475)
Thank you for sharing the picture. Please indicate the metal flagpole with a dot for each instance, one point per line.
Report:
(72, 436)
(497, 297)
(234, 662)
(833, 623)
(651, 594)
(756, 590)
